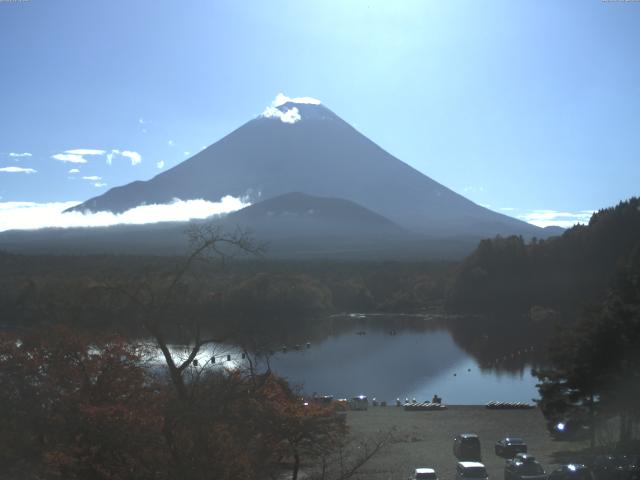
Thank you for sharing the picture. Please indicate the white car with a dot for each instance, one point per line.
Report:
(424, 474)
(471, 471)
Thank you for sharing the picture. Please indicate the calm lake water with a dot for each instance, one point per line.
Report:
(410, 363)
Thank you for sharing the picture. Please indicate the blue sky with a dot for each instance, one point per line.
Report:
(520, 106)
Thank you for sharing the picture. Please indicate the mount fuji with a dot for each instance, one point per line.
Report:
(302, 146)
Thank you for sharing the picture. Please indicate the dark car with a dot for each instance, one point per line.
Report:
(524, 467)
(509, 447)
(572, 471)
(632, 468)
(615, 467)
(466, 446)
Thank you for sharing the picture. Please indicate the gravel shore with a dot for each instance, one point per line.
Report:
(425, 439)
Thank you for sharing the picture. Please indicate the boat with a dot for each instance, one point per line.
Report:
(425, 406)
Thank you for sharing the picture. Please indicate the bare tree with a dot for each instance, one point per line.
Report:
(172, 298)
(348, 458)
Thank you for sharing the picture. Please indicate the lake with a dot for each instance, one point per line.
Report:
(368, 358)
(407, 364)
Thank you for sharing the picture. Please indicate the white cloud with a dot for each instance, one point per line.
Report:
(99, 184)
(187, 154)
(171, 143)
(141, 121)
(135, 157)
(30, 215)
(281, 99)
(547, 218)
(69, 157)
(17, 170)
(92, 178)
(18, 155)
(74, 170)
(85, 151)
(160, 164)
(77, 155)
(291, 116)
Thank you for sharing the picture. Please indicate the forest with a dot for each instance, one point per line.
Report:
(563, 273)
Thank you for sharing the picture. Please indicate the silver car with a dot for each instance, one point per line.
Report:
(471, 471)
(424, 474)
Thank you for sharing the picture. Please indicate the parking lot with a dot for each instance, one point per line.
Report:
(424, 439)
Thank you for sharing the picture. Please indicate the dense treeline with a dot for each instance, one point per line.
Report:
(594, 370)
(78, 289)
(507, 274)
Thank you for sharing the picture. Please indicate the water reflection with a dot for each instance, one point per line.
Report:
(407, 364)
(390, 356)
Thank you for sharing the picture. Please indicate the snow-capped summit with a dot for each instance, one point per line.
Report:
(281, 99)
(289, 110)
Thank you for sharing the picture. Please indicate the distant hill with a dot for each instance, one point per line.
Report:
(563, 272)
(306, 215)
(319, 155)
(553, 231)
(293, 225)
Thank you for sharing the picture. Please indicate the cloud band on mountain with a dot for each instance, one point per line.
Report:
(31, 215)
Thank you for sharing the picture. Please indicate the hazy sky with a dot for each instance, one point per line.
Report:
(520, 106)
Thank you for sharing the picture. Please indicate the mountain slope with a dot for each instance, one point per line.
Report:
(319, 155)
(293, 225)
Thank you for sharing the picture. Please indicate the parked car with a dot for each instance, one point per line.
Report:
(509, 447)
(466, 447)
(608, 467)
(471, 471)
(632, 469)
(616, 467)
(572, 471)
(424, 474)
(361, 402)
(524, 467)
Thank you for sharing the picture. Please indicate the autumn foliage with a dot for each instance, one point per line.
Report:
(74, 408)
(84, 407)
